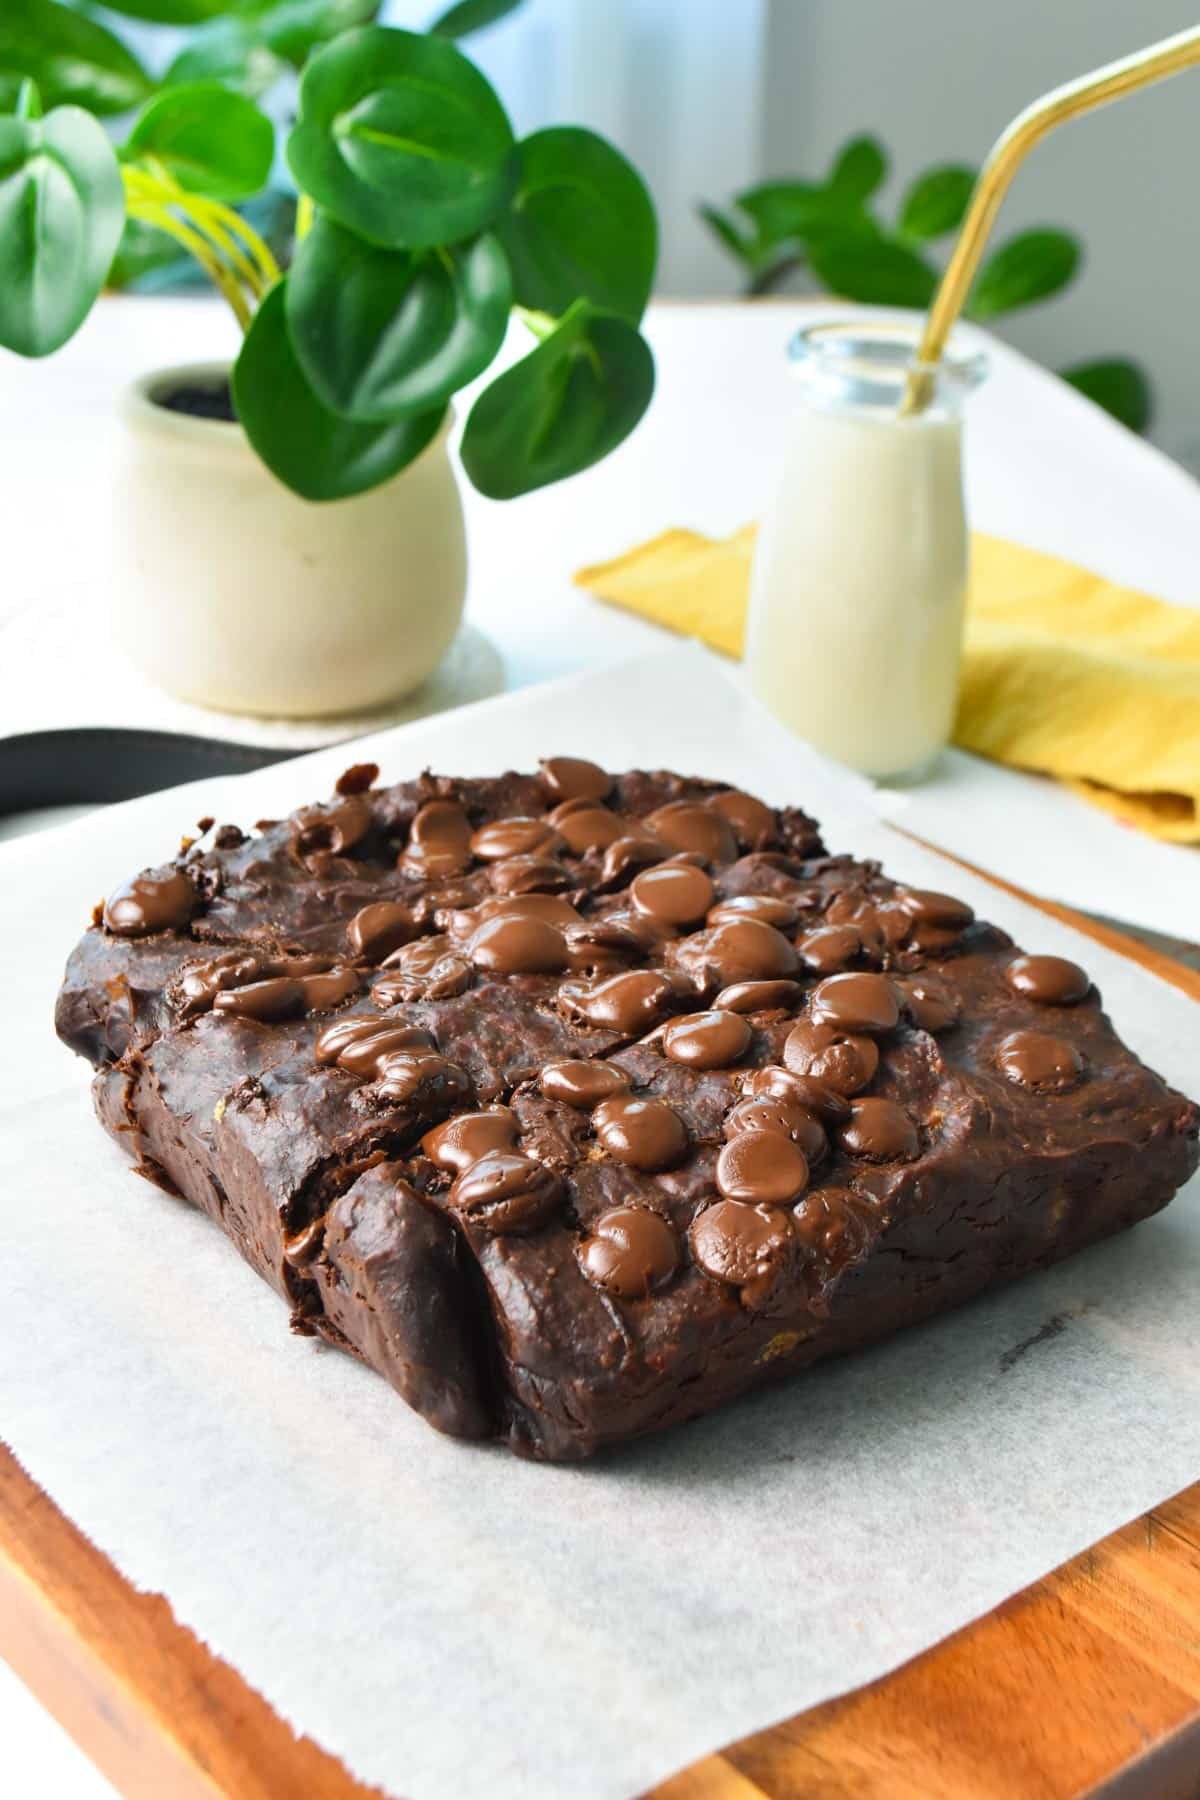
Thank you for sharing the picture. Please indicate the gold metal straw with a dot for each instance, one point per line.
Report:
(1116, 79)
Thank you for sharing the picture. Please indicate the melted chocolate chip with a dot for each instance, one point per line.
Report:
(1034, 1059)
(685, 825)
(626, 853)
(748, 1247)
(629, 1003)
(707, 1040)
(459, 1142)
(506, 1193)
(150, 903)
(420, 1076)
(550, 907)
(630, 1252)
(439, 839)
(943, 911)
(829, 1223)
(335, 828)
(377, 930)
(753, 822)
(357, 778)
(199, 984)
(325, 991)
(574, 778)
(856, 1003)
(762, 1166)
(929, 1005)
(1048, 980)
(584, 826)
(583, 1084)
(672, 894)
(515, 837)
(759, 996)
(765, 1113)
(279, 997)
(830, 948)
(768, 909)
(744, 950)
(518, 944)
(798, 1090)
(358, 1043)
(845, 1063)
(880, 1131)
(644, 1134)
(429, 969)
(529, 875)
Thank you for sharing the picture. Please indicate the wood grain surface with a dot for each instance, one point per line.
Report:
(1088, 1683)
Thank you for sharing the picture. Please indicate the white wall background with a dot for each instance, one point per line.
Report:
(938, 79)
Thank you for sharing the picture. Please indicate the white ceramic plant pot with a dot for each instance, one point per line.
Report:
(232, 592)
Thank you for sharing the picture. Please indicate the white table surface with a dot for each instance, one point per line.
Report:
(1043, 467)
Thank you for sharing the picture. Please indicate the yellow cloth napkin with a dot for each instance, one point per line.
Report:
(1063, 672)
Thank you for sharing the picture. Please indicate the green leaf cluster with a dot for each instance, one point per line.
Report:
(833, 230)
(423, 223)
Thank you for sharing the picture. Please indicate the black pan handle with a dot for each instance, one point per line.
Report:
(98, 764)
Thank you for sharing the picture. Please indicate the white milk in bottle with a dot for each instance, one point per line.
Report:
(856, 611)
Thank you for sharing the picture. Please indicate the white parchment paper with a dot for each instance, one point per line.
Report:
(452, 1621)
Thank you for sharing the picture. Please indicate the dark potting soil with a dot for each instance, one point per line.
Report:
(210, 400)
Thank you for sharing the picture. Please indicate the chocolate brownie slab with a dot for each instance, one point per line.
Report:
(578, 1104)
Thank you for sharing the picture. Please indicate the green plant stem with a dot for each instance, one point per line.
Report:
(248, 272)
(540, 323)
(305, 212)
(154, 213)
(233, 223)
(213, 223)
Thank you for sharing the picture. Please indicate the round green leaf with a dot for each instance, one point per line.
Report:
(312, 451)
(860, 167)
(73, 59)
(562, 408)
(471, 15)
(936, 201)
(788, 210)
(210, 139)
(229, 51)
(581, 226)
(1031, 266)
(62, 207)
(172, 12)
(401, 139)
(1121, 387)
(872, 268)
(383, 334)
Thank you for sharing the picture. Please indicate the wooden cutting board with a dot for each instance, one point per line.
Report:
(1088, 1683)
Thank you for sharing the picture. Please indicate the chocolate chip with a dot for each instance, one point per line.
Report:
(439, 839)
(459, 1142)
(743, 950)
(629, 1003)
(335, 828)
(672, 894)
(357, 778)
(759, 996)
(830, 948)
(644, 1134)
(929, 1005)
(150, 903)
(830, 1224)
(586, 826)
(943, 911)
(856, 1003)
(838, 1060)
(766, 1113)
(630, 1252)
(1048, 980)
(707, 1040)
(685, 825)
(518, 944)
(880, 1131)
(626, 853)
(574, 778)
(1034, 1059)
(767, 908)
(529, 875)
(376, 930)
(421, 1077)
(752, 1248)
(279, 997)
(762, 1166)
(429, 969)
(515, 837)
(754, 823)
(506, 1193)
(798, 1090)
(581, 1083)
(357, 1043)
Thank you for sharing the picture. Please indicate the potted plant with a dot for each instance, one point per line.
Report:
(289, 534)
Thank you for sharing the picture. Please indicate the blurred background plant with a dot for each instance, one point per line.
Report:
(828, 235)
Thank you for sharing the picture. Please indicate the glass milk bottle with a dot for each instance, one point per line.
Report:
(859, 587)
